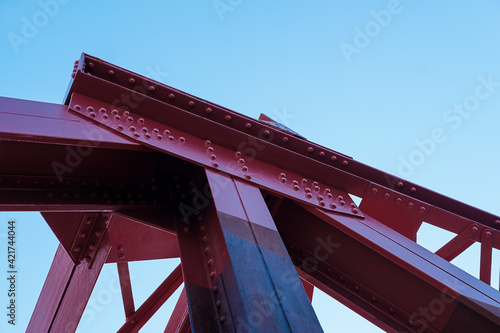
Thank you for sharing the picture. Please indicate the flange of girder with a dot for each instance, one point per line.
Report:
(203, 152)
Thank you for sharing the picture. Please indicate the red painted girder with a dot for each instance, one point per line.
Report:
(486, 256)
(107, 82)
(309, 288)
(195, 149)
(126, 288)
(133, 240)
(405, 214)
(30, 121)
(136, 321)
(383, 275)
(179, 320)
(66, 292)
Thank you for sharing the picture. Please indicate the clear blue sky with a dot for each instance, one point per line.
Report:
(371, 79)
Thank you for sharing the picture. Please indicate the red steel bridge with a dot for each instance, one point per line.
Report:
(129, 169)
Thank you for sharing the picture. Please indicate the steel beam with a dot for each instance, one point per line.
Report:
(179, 320)
(239, 275)
(66, 291)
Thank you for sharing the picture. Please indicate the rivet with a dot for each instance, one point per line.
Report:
(92, 246)
(147, 136)
(105, 116)
(295, 187)
(248, 126)
(356, 288)
(308, 195)
(210, 262)
(215, 289)
(340, 198)
(422, 209)
(145, 129)
(487, 234)
(93, 114)
(474, 229)
(91, 64)
(213, 157)
(132, 128)
(76, 249)
(82, 234)
(218, 303)
(111, 72)
(156, 131)
(117, 117)
(497, 222)
(140, 120)
(130, 119)
(413, 189)
(320, 197)
(283, 180)
(212, 275)
(310, 149)
(191, 103)
(374, 299)
(102, 110)
(284, 139)
(171, 96)
(121, 255)
(244, 168)
(399, 184)
(322, 154)
(77, 107)
(151, 88)
(126, 113)
(98, 233)
(131, 80)
(308, 190)
(206, 248)
(266, 132)
(333, 158)
(295, 182)
(333, 206)
(120, 127)
(159, 137)
(227, 117)
(327, 190)
(304, 181)
(208, 143)
(89, 220)
(328, 270)
(222, 318)
(322, 203)
(345, 163)
(282, 175)
(374, 191)
(120, 248)
(241, 161)
(386, 196)
(391, 310)
(341, 279)
(316, 188)
(355, 210)
(166, 132)
(171, 138)
(248, 177)
(399, 201)
(182, 139)
(342, 202)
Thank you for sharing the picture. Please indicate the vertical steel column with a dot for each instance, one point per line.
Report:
(248, 274)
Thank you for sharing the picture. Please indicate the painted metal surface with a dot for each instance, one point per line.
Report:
(131, 169)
